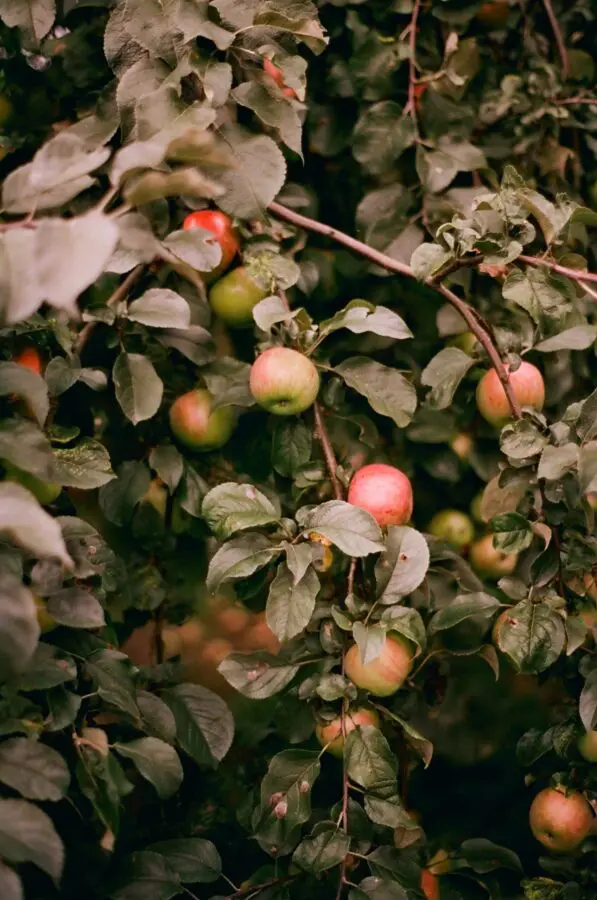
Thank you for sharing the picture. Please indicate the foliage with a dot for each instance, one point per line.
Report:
(457, 141)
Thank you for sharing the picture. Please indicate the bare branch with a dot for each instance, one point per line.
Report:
(576, 274)
(328, 451)
(557, 33)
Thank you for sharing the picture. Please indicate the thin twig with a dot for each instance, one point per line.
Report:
(328, 451)
(576, 274)
(119, 294)
(471, 317)
(411, 106)
(557, 33)
(574, 101)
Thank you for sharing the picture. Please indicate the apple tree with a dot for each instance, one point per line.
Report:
(298, 448)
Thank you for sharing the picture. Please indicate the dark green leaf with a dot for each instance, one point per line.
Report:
(33, 769)
(387, 390)
(204, 724)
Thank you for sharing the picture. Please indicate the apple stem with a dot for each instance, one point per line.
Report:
(471, 316)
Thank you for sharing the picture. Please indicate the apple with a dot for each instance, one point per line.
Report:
(429, 883)
(528, 388)
(465, 341)
(453, 526)
(30, 359)
(587, 746)
(259, 637)
(45, 620)
(232, 621)
(233, 297)
(275, 73)
(195, 425)
(223, 228)
(476, 507)
(325, 558)
(330, 733)
(462, 445)
(45, 492)
(384, 675)
(384, 491)
(489, 562)
(560, 819)
(494, 13)
(284, 381)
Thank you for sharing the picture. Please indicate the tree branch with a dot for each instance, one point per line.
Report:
(576, 274)
(470, 316)
(411, 106)
(557, 33)
(328, 451)
(113, 300)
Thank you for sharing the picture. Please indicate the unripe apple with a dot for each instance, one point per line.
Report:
(223, 228)
(45, 620)
(384, 491)
(233, 297)
(331, 732)
(284, 381)
(384, 675)
(453, 526)
(587, 746)
(44, 491)
(489, 562)
(465, 341)
(528, 388)
(194, 424)
(462, 445)
(560, 820)
(476, 507)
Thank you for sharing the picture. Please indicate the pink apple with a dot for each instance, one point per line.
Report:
(383, 491)
(528, 387)
(384, 675)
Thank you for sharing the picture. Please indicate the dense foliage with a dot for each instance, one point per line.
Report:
(298, 442)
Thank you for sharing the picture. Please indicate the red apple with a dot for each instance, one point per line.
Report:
(284, 381)
(194, 424)
(528, 388)
(223, 228)
(383, 491)
(331, 732)
(275, 73)
(384, 675)
(560, 820)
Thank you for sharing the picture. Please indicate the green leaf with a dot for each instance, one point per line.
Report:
(292, 444)
(76, 607)
(402, 566)
(407, 622)
(272, 311)
(322, 852)
(197, 248)
(47, 668)
(157, 717)
(290, 776)
(291, 604)
(579, 337)
(587, 467)
(512, 533)
(28, 835)
(34, 19)
(353, 530)
(227, 380)
(204, 724)
(443, 375)
(381, 135)
(370, 640)
(522, 439)
(23, 445)
(256, 679)
(151, 878)
(18, 626)
(389, 393)
(369, 760)
(156, 761)
(362, 317)
(114, 680)
(428, 260)
(274, 111)
(33, 769)
(257, 176)
(119, 498)
(139, 389)
(587, 707)
(484, 856)
(231, 507)
(193, 859)
(28, 386)
(24, 521)
(168, 463)
(11, 887)
(556, 461)
(85, 466)
(532, 636)
(160, 308)
(538, 293)
(463, 607)
(375, 888)
(298, 559)
(239, 558)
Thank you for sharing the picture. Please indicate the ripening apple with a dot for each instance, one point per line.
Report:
(233, 297)
(384, 675)
(587, 746)
(453, 526)
(232, 621)
(284, 381)
(276, 75)
(45, 619)
(331, 732)
(258, 637)
(465, 341)
(489, 562)
(528, 388)
(45, 492)
(384, 491)
(30, 359)
(560, 819)
(462, 445)
(476, 507)
(223, 228)
(195, 424)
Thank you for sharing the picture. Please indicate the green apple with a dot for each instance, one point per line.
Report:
(45, 491)
(587, 746)
(233, 297)
(384, 675)
(489, 562)
(284, 381)
(453, 526)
